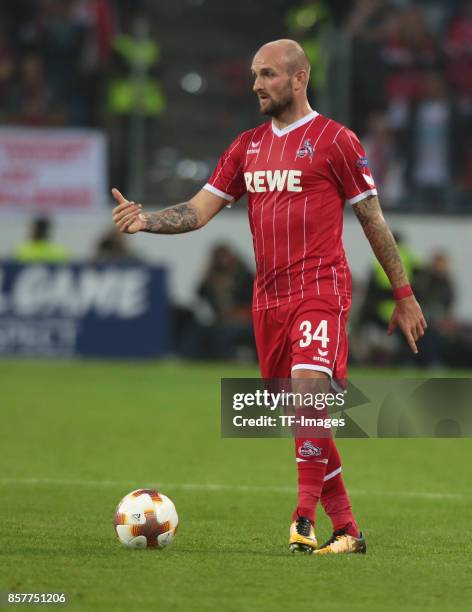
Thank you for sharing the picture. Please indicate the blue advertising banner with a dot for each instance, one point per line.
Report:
(107, 310)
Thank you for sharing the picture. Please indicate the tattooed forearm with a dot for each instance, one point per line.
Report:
(381, 240)
(175, 220)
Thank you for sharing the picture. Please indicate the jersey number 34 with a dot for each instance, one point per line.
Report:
(320, 334)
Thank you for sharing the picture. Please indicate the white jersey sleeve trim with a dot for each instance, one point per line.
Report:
(218, 192)
(310, 366)
(362, 196)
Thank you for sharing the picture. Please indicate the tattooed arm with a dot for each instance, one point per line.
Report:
(381, 240)
(175, 220)
(194, 214)
(407, 313)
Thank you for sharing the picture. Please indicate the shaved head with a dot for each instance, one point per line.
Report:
(281, 71)
(287, 51)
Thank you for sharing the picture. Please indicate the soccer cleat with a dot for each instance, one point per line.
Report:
(302, 536)
(341, 543)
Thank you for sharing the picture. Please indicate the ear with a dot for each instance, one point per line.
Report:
(300, 79)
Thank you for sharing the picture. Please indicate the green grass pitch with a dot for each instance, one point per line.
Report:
(76, 437)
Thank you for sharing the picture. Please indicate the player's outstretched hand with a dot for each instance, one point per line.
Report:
(409, 318)
(127, 215)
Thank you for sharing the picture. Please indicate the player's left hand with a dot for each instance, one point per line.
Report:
(409, 318)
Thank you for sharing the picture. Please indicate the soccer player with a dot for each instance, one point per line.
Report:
(298, 169)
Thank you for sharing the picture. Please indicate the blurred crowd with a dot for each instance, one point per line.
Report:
(410, 95)
(398, 71)
(53, 55)
(412, 99)
(448, 341)
(67, 62)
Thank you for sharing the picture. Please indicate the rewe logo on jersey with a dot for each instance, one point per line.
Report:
(273, 180)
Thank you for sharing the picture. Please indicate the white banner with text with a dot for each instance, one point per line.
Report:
(52, 170)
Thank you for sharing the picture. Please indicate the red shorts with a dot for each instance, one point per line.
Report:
(308, 334)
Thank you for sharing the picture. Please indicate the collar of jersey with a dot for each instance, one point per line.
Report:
(295, 125)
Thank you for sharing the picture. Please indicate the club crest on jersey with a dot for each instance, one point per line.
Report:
(306, 149)
(308, 449)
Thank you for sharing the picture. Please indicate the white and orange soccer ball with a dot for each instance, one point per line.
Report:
(146, 519)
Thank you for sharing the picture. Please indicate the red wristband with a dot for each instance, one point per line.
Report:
(402, 292)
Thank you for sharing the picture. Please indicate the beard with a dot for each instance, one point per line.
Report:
(275, 108)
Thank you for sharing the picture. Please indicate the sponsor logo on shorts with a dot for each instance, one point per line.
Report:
(322, 359)
(308, 449)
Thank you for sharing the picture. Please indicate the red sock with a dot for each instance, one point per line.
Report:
(312, 458)
(334, 497)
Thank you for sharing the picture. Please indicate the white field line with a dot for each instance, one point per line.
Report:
(217, 487)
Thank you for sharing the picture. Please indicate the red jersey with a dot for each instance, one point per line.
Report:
(297, 180)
